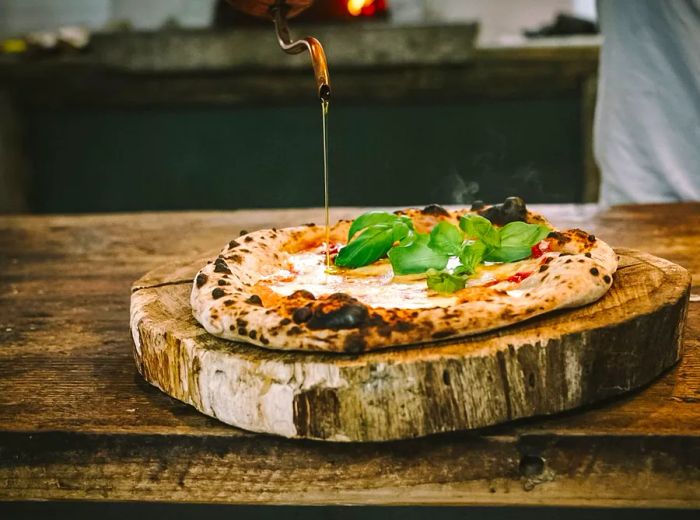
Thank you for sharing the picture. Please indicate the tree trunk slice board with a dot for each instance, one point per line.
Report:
(542, 366)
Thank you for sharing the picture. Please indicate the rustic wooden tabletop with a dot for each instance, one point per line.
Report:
(78, 422)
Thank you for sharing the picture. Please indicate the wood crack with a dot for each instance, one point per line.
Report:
(162, 284)
(501, 357)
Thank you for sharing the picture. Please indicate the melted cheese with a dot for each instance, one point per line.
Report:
(375, 284)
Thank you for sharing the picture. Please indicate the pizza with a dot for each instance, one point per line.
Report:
(392, 279)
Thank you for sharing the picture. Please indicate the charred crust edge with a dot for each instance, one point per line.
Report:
(254, 299)
(435, 210)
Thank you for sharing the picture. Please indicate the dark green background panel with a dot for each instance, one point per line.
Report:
(251, 157)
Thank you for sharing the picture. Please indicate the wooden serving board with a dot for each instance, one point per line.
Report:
(545, 365)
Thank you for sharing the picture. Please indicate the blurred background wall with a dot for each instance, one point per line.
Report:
(498, 18)
(172, 106)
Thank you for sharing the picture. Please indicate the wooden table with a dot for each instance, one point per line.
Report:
(78, 422)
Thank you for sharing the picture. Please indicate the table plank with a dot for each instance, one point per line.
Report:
(76, 420)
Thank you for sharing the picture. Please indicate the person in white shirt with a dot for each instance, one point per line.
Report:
(647, 120)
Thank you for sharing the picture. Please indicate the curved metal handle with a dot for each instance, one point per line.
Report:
(318, 57)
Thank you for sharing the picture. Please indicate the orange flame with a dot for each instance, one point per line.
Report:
(355, 7)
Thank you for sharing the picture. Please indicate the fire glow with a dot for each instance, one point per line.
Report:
(361, 7)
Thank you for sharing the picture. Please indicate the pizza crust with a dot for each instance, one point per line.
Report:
(230, 301)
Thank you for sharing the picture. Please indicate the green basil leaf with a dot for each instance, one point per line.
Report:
(368, 247)
(472, 255)
(508, 254)
(406, 220)
(480, 228)
(444, 282)
(446, 238)
(408, 239)
(517, 239)
(416, 257)
(370, 219)
(522, 234)
(460, 270)
(413, 237)
(400, 231)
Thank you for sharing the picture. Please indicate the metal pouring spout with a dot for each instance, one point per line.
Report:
(318, 57)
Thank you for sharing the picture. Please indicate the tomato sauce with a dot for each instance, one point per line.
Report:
(540, 248)
(519, 276)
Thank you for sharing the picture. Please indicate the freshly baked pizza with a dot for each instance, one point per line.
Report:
(388, 279)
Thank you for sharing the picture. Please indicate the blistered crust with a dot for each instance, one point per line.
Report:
(228, 302)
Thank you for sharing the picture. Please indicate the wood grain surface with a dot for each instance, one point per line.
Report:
(545, 365)
(78, 422)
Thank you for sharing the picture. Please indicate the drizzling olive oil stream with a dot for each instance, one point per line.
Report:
(278, 11)
(326, 201)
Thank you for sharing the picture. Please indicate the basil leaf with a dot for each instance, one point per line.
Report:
(369, 247)
(444, 282)
(406, 220)
(446, 238)
(508, 254)
(416, 257)
(522, 234)
(517, 239)
(370, 219)
(412, 237)
(408, 239)
(480, 228)
(400, 231)
(472, 255)
(460, 270)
